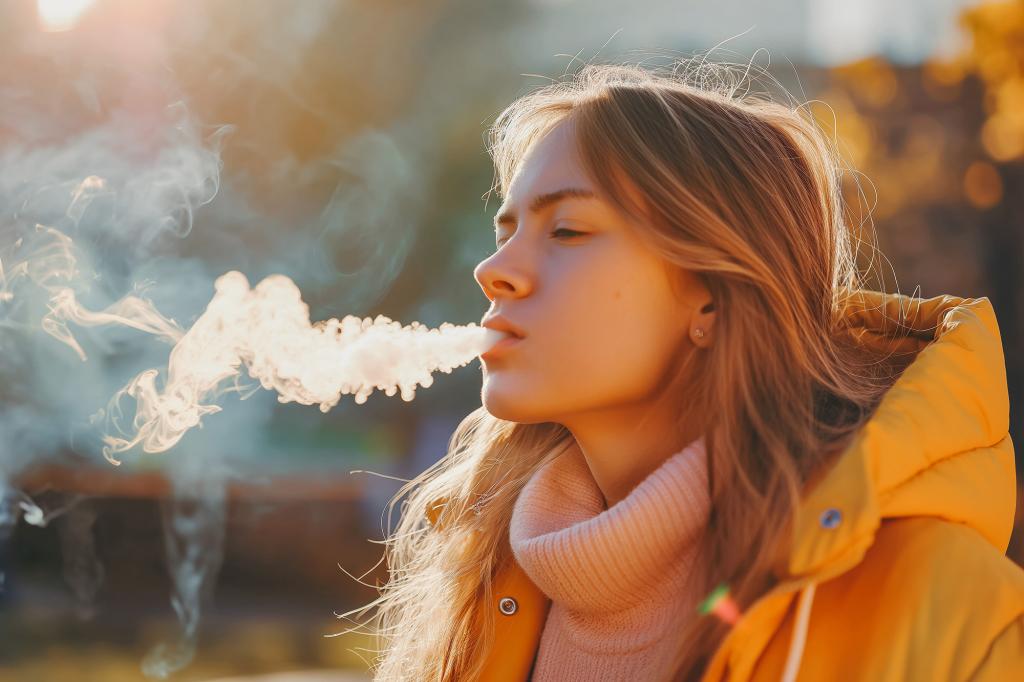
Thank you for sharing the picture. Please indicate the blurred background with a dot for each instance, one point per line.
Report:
(342, 143)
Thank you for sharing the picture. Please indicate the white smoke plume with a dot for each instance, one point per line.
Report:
(267, 328)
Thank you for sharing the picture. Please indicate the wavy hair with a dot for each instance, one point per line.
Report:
(744, 192)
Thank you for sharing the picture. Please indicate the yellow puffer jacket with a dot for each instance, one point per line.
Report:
(898, 569)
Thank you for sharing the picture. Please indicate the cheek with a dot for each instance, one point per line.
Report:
(624, 362)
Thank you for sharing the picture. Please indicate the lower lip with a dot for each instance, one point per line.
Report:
(500, 347)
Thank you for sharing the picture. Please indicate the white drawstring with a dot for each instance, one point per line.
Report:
(799, 637)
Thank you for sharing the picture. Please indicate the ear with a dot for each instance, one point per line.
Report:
(702, 324)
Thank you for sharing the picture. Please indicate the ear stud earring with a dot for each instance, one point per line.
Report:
(699, 333)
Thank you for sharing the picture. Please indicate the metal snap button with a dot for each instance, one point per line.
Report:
(831, 518)
(508, 606)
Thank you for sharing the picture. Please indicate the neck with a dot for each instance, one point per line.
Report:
(623, 446)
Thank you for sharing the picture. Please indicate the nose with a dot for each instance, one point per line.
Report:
(498, 277)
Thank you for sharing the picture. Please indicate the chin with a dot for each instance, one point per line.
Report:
(512, 408)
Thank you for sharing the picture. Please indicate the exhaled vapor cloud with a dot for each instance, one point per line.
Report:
(267, 329)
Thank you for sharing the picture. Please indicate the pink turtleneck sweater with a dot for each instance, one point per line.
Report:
(616, 576)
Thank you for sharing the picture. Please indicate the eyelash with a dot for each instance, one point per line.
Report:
(575, 233)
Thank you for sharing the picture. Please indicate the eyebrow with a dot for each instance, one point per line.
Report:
(542, 201)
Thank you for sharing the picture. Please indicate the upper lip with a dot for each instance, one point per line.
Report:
(501, 324)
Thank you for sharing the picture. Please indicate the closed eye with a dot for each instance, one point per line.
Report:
(572, 233)
(569, 234)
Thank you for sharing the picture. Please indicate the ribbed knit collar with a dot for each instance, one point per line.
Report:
(591, 559)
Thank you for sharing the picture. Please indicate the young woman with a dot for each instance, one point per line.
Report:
(712, 453)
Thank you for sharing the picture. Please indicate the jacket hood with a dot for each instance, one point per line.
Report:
(937, 445)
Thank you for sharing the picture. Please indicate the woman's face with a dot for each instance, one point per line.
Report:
(601, 322)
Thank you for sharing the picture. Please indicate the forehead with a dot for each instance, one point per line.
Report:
(550, 164)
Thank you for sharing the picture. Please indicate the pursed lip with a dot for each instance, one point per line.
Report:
(500, 347)
(502, 324)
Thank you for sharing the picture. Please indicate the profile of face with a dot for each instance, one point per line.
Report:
(600, 319)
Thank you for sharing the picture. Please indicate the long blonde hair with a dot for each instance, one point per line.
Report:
(745, 193)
